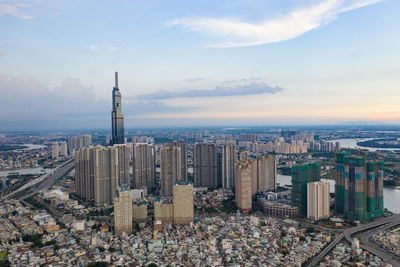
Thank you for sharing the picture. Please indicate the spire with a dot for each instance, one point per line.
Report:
(116, 79)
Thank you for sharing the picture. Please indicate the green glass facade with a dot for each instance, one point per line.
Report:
(301, 175)
(359, 187)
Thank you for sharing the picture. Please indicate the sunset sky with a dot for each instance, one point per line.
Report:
(199, 63)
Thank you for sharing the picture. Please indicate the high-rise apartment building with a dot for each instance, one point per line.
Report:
(180, 208)
(75, 143)
(318, 200)
(184, 159)
(144, 171)
(228, 161)
(170, 168)
(301, 176)
(99, 172)
(123, 210)
(123, 163)
(183, 203)
(361, 197)
(117, 117)
(266, 173)
(205, 165)
(63, 150)
(54, 150)
(340, 181)
(244, 177)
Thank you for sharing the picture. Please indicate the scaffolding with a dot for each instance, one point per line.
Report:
(301, 175)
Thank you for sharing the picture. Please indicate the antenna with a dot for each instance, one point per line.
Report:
(116, 79)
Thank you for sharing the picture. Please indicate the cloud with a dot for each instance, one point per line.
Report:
(251, 79)
(26, 103)
(238, 33)
(92, 47)
(252, 88)
(197, 79)
(13, 10)
(112, 48)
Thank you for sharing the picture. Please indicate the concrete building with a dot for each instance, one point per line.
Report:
(205, 165)
(184, 159)
(244, 174)
(54, 150)
(183, 203)
(99, 172)
(123, 210)
(318, 200)
(139, 212)
(266, 173)
(170, 168)
(228, 161)
(63, 149)
(117, 118)
(144, 171)
(164, 210)
(74, 143)
(277, 209)
(123, 163)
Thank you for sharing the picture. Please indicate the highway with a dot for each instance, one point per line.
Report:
(370, 246)
(348, 235)
(42, 182)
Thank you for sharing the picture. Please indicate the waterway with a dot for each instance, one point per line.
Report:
(352, 143)
(30, 147)
(391, 196)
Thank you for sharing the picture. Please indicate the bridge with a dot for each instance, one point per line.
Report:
(395, 219)
(42, 182)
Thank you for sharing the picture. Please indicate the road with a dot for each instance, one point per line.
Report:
(49, 180)
(370, 246)
(348, 235)
(42, 182)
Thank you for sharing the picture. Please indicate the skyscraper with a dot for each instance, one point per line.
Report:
(340, 181)
(123, 210)
(318, 200)
(170, 168)
(99, 172)
(183, 203)
(143, 166)
(244, 175)
(184, 162)
(123, 163)
(361, 195)
(116, 115)
(229, 157)
(54, 150)
(301, 176)
(77, 142)
(205, 165)
(266, 173)
(63, 149)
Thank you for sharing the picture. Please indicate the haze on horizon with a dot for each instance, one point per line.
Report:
(199, 63)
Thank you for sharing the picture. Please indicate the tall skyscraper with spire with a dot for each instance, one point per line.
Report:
(116, 115)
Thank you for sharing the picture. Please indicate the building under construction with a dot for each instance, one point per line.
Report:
(301, 176)
(359, 187)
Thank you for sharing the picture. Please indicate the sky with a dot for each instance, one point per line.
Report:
(199, 63)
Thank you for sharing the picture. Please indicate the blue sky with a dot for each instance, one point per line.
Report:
(194, 63)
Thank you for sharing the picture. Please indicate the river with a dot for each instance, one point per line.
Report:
(391, 196)
(30, 147)
(352, 143)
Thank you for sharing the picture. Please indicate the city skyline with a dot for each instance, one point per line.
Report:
(231, 63)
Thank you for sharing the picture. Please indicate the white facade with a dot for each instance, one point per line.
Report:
(318, 200)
